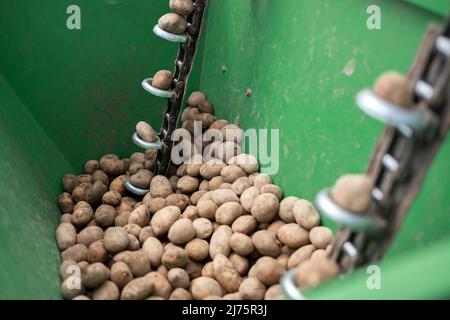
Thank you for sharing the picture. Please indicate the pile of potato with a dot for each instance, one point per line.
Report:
(215, 229)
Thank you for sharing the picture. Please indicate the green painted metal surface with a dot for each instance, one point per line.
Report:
(68, 96)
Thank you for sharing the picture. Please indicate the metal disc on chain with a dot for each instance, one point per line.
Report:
(169, 36)
(137, 191)
(146, 84)
(144, 144)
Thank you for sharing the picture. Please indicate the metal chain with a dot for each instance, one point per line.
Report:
(183, 65)
(399, 163)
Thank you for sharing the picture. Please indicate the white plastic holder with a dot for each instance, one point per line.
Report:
(181, 38)
(342, 217)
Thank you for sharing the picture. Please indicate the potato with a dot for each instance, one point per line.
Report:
(272, 188)
(137, 157)
(160, 187)
(89, 235)
(241, 244)
(240, 263)
(105, 215)
(232, 132)
(111, 165)
(207, 209)
(191, 213)
(231, 173)
(190, 113)
(265, 207)
(321, 237)
(118, 184)
(139, 263)
(173, 182)
(353, 192)
(196, 98)
(218, 124)
(82, 215)
(197, 249)
(180, 294)
(143, 129)
(111, 198)
(66, 236)
(319, 254)
(121, 274)
(178, 278)
(133, 243)
(97, 252)
(394, 88)
(245, 224)
(133, 229)
(221, 196)
(178, 199)
(140, 216)
(181, 232)
(135, 167)
(162, 287)
(207, 270)
(83, 266)
(115, 239)
(219, 243)
(162, 270)
(146, 232)
(261, 180)
(206, 107)
(286, 209)
(173, 23)
(305, 214)
(275, 226)
(227, 150)
(70, 288)
(154, 249)
(283, 259)
(188, 184)
(240, 185)
(65, 218)
(226, 274)
(95, 275)
(211, 168)
(121, 220)
(69, 182)
(252, 289)
(225, 186)
(203, 228)
(232, 296)
(141, 179)
(84, 178)
(207, 119)
(163, 219)
(267, 270)
(315, 271)
(78, 252)
(137, 289)
(193, 268)
(228, 212)
(100, 175)
(67, 268)
(154, 204)
(204, 186)
(300, 255)
(196, 196)
(66, 202)
(81, 297)
(293, 235)
(174, 257)
(266, 243)
(91, 166)
(107, 291)
(202, 287)
(248, 198)
(246, 162)
(121, 256)
(215, 183)
(274, 292)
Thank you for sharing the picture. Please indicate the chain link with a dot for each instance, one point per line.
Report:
(183, 65)
(399, 163)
